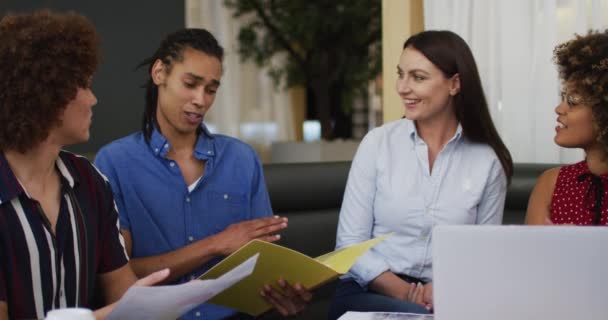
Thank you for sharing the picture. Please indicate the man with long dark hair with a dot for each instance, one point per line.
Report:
(187, 197)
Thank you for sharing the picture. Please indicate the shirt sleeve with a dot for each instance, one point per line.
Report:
(3, 295)
(357, 213)
(491, 207)
(260, 201)
(113, 253)
(106, 167)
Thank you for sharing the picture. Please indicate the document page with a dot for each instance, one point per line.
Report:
(384, 316)
(170, 302)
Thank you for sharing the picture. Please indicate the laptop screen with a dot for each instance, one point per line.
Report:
(520, 272)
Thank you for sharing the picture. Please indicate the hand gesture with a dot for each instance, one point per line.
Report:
(427, 298)
(289, 300)
(238, 234)
(421, 294)
(153, 278)
(150, 280)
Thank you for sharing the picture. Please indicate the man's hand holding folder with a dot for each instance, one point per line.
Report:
(276, 262)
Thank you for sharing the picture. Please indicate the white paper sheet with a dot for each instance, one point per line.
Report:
(350, 315)
(170, 302)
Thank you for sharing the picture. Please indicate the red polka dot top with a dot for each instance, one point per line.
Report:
(577, 195)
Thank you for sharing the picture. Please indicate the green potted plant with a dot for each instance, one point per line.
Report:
(332, 48)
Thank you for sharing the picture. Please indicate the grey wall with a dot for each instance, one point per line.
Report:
(130, 31)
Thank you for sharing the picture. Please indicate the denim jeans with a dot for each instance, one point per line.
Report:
(350, 296)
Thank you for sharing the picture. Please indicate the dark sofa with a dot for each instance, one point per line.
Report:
(310, 195)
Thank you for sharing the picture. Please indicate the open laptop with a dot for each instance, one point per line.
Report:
(520, 273)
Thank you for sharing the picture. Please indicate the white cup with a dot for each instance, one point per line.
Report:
(70, 314)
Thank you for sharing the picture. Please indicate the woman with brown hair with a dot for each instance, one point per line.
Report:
(444, 163)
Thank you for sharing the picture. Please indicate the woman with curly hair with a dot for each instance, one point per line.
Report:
(578, 194)
(60, 244)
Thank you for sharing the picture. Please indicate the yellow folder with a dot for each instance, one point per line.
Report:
(276, 261)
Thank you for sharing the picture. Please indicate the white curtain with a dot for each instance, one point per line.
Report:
(247, 106)
(513, 42)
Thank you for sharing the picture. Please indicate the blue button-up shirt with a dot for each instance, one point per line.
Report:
(163, 214)
(390, 189)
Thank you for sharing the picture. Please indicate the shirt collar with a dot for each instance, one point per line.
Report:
(66, 172)
(413, 133)
(11, 187)
(204, 148)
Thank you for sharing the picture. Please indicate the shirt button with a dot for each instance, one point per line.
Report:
(209, 152)
(172, 164)
(166, 146)
(187, 199)
(191, 238)
(225, 196)
(198, 313)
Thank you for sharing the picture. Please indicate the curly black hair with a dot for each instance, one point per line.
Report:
(583, 64)
(46, 56)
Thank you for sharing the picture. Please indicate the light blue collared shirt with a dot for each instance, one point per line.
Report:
(389, 189)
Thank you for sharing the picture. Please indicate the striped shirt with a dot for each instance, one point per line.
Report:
(39, 270)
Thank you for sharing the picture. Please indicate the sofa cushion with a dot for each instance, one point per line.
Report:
(518, 193)
(306, 186)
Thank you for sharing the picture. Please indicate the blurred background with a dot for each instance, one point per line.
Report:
(304, 80)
